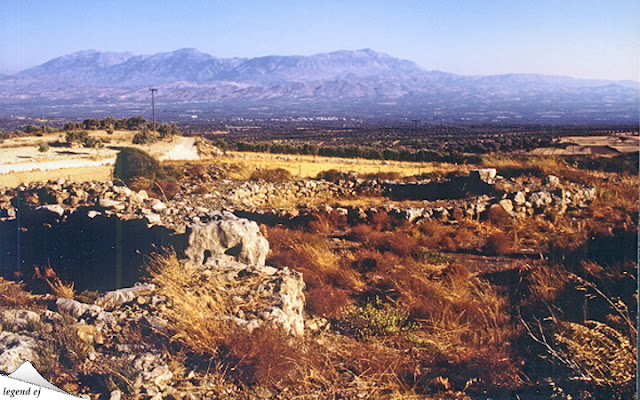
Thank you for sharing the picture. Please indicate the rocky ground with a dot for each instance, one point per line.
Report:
(122, 342)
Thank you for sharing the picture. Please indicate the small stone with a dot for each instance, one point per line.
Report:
(551, 180)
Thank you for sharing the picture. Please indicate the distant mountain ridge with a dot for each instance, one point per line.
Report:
(332, 80)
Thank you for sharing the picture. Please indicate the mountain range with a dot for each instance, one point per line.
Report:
(361, 82)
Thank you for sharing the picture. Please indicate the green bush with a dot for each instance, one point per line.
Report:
(376, 319)
(43, 147)
(76, 137)
(93, 142)
(133, 163)
(145, 136)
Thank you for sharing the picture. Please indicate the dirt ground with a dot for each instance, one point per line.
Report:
(577, 145)
(22, 162)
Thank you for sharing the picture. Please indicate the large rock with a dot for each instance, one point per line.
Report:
(19, 320)
(260, 294)
(15, 350)
(226, 236)
(77, 309)
(483, 174)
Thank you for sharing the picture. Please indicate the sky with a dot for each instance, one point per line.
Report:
(580, 38)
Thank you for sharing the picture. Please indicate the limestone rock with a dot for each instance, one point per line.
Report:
(15, 349)
(19, 320)
(262, 294)
(540, 199)
(483, 174)
(108, 204)
(226, 235)
(111, 300)
(551, 180)
(506, 205)
(518, 198)
(153, 373)
(77, 309)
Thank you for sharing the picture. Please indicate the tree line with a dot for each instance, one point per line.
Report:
(365, 152)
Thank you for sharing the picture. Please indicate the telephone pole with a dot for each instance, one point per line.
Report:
(415, 121)
(153, 109)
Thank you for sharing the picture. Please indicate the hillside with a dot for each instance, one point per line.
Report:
(361, 82)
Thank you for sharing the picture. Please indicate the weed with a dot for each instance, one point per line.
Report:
(276, 175)
(432, 257)
(375, 319)
(61, 289)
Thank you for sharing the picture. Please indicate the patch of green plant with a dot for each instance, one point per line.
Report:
(432, 257)
(75, 137)
(43, 147)
(134, 163)
(376, 319)
(145, 136)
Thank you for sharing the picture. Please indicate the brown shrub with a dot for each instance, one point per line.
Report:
(276, 175)
(327, 301)
(326, 222)
(263, 356)
(202, 189)
(332, 175)
(432, 234)
(545, 282)
(198, 170)
(399, 243)
(311, 255)
(379, 369)
(367, 260)
(164, 190)
(499, 217)
(498, 244)
(380, 221)
(384, 176)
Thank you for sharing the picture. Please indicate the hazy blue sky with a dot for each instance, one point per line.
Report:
(581, 38)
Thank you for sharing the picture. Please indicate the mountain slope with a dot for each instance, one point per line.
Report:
(334, 80)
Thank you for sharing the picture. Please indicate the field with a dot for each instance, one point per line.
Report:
(519, 287)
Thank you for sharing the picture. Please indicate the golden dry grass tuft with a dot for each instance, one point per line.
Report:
(597, 353)
(13, 295)
(61, 289)
(195, 309)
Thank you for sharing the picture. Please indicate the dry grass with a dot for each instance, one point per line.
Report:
(13, 295)
(61, 289)
(194, 306)
(311, 166)
(311, 255)
(597, 353)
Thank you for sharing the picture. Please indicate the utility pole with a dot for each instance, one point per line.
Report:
(153, 108)
(415, 121)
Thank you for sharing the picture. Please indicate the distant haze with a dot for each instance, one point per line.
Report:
(585, 39)
(360, 84)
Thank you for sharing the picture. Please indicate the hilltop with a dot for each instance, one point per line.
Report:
(360, 82)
